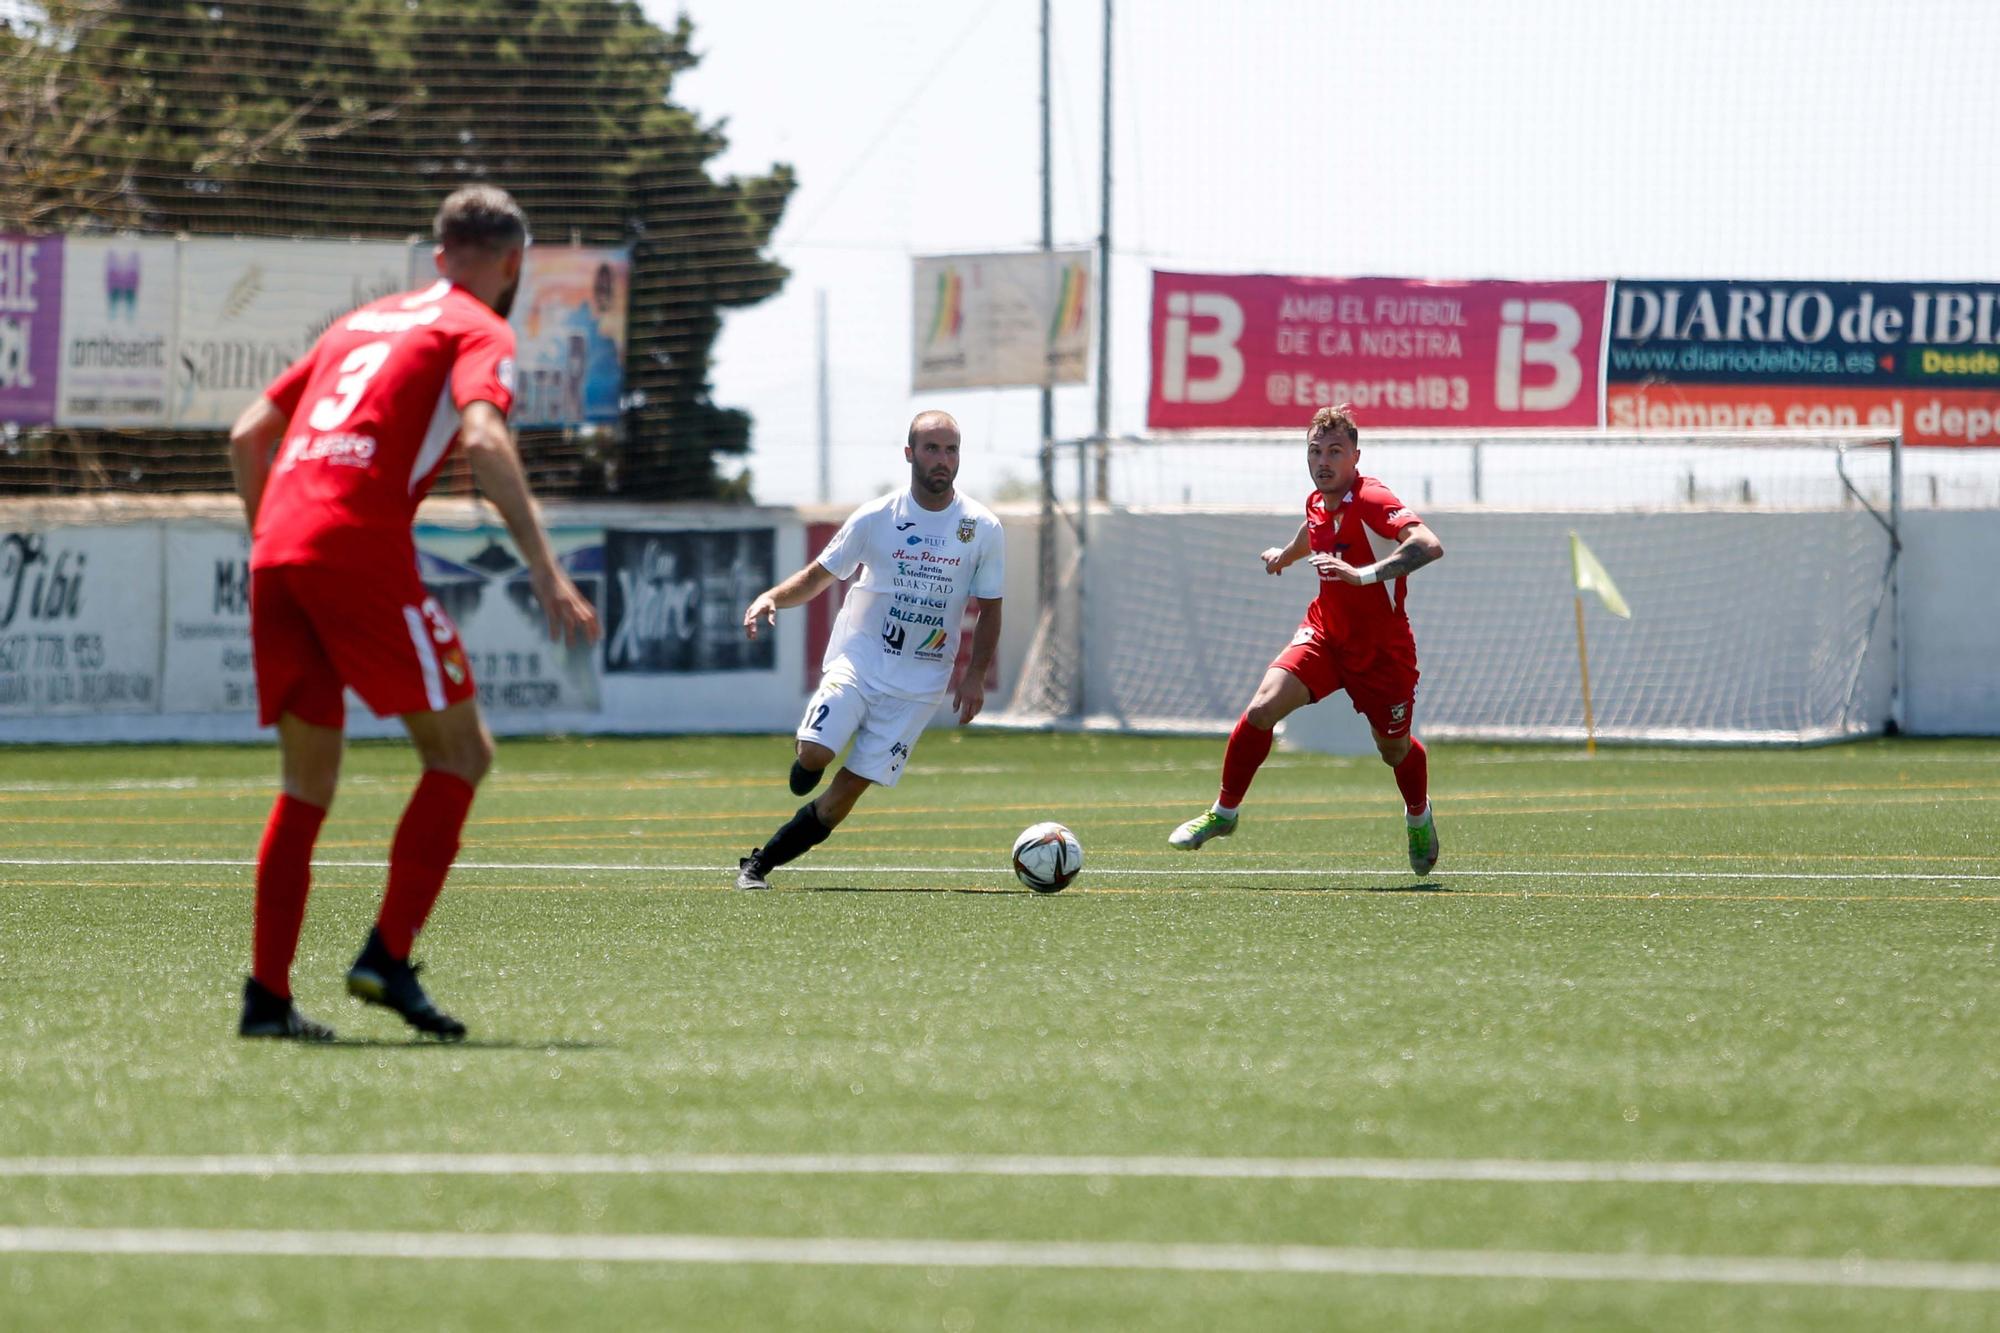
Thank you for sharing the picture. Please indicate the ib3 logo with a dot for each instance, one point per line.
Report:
(1201, 361)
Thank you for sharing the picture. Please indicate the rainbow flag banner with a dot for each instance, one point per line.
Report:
(1001, 320)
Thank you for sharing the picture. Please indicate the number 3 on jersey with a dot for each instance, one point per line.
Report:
(441, 627)
(356, 369)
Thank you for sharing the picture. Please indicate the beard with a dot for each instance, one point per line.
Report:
(503, 306)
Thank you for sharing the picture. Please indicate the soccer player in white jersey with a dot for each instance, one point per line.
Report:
(921, 552)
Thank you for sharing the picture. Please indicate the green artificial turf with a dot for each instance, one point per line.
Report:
(1650, 956)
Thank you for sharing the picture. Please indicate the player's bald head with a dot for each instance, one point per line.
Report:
(925, 422)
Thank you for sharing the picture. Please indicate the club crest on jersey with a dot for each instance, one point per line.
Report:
(1398, 712)
(965, 529)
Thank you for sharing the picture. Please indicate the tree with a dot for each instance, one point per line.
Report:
(354, 117)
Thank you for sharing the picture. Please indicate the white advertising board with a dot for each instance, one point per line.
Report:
(1000, 320)
(248, 309)
(480, 583)
(79, 620)
(207, 667)
(120, 298)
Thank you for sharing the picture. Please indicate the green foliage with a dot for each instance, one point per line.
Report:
(355, 117)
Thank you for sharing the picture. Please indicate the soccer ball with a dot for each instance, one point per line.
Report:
(1047, 857)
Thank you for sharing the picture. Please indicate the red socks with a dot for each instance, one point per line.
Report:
(421, 856)
(1413, 778)
(1248, 748)
(284, 877)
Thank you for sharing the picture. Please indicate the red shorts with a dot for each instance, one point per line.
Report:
(314, 630)
(1384, 691)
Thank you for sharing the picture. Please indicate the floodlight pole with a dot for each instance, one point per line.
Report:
(1045, 567)
(1104, 277)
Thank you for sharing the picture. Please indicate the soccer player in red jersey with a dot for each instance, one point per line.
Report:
(361, 426)
(1355, 637)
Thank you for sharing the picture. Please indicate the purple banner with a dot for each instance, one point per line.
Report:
(31, 272)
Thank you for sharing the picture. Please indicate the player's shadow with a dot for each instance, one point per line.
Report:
(1420, 886)
(907, 888)
(417, 1043)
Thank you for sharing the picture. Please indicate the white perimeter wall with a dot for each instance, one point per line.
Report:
(129, 620)
(1951, 621)
(1950, 582)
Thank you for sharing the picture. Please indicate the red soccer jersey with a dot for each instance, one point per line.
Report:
(1366, 525)
(374, 410)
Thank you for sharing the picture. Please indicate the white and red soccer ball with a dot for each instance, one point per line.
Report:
(1047, 857)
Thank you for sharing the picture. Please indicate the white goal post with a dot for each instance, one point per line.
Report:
(1760, 570)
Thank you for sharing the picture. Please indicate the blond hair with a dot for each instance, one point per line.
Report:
(1335, 418)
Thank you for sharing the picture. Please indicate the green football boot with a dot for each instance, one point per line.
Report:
(1200, 829)
(1424, 844)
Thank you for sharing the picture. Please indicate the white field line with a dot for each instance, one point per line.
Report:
(1222, 872)
(857, 1252)
(1462, 1170)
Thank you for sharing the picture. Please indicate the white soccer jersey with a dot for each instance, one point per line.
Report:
(898, 630)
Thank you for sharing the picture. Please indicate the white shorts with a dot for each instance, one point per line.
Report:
(884, 727)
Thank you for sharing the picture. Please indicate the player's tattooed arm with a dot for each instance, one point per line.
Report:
(1275, 558)
(1419, 547)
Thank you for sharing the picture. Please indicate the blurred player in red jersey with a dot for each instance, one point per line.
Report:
(1355, 637)
(361, 426)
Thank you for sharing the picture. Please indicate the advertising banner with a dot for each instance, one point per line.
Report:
(485, 590)
(206, 663)
(1922, 359)
(31, 284)
(248, 309)
(993, 321)
(569, 318)
(674, 601)
(79, 620)
(1255, 351)
(119, 302)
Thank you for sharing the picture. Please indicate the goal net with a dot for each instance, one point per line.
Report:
(1760, 574)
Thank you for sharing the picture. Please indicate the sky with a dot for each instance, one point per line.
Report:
(1831, 139)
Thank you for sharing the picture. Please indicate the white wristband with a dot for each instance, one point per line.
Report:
(1372, 574)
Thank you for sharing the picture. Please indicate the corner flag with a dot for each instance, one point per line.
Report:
(1590, 577)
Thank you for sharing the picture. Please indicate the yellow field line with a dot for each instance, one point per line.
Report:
(501, 789)
(748, 825)
(662, 882)
(1452, 808)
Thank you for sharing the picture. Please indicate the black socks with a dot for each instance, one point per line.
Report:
(804, 779)
(801, 834)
